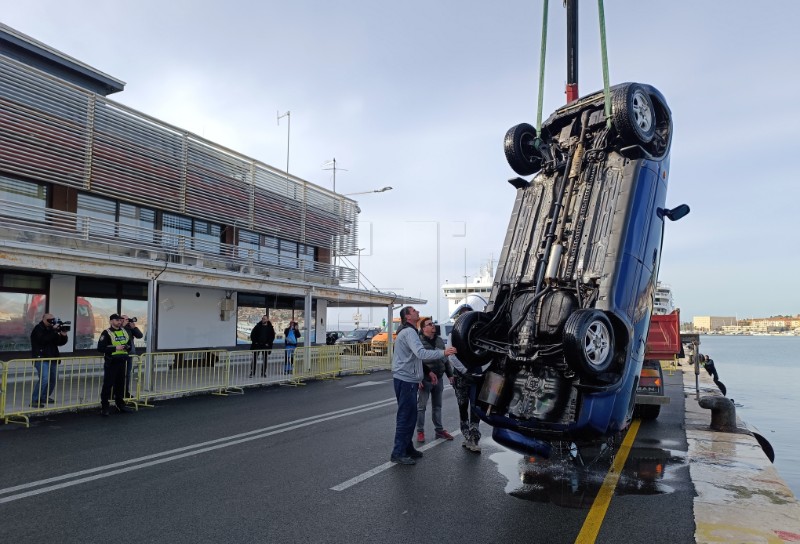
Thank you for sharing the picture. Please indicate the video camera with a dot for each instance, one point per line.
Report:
(133, 319)
(63, 326)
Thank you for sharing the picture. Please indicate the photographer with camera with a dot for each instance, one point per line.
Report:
(115, 345)
(46, 336)
(129, 324)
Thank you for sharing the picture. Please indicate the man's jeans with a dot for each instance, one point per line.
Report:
(406, 393)
(435, 392)
(48, 374)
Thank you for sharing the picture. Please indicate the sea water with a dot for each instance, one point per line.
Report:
(762, 374)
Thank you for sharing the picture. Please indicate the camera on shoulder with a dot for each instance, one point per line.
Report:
(62, 326)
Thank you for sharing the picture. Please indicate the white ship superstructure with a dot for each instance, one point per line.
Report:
(664, 303)
(480, 285)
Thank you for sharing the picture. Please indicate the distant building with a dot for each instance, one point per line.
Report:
(708, 323)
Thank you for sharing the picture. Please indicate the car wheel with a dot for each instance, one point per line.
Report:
(521, 153)
(648, 412)
(633, 114)
(465, 331)
(589, 342)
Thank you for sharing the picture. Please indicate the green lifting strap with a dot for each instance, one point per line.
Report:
(604, 53)
(541, 70)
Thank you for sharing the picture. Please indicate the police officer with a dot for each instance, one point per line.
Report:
(115, 345)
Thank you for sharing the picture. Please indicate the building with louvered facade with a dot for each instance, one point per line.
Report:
(108, 210)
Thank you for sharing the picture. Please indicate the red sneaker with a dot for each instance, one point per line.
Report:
(444, 434)
(420, 437)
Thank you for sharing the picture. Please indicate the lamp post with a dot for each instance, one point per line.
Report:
(288, 115)
(381, 190)
(439, 258)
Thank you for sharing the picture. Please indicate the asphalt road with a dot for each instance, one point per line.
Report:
(310, 464)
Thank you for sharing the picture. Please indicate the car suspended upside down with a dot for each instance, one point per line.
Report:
(565, 329)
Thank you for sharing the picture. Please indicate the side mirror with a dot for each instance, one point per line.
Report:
(675, 213)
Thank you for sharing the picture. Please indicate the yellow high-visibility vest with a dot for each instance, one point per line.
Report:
(118, 339)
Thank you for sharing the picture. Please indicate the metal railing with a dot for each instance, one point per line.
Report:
(163, 375)
(54, 229)
(54, 131)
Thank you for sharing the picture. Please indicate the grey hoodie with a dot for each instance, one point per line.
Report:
(409, 354)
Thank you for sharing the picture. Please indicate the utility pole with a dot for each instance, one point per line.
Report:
(288, 115)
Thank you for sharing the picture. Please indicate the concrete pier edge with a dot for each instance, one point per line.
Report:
(739, 495)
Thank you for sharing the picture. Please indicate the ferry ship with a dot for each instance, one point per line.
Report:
(663, 303)
(480, 286)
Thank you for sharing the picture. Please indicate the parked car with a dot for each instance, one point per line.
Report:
(332, 336)
(357, 341)
(566, 325)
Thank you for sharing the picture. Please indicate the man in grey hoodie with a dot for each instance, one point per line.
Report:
(408, 370)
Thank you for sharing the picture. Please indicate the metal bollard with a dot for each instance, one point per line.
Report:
(723, 413)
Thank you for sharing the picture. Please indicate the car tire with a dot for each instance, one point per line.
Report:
(464, 331)
(521, 154)
(648, 412)
(589, 342)
(633, 115)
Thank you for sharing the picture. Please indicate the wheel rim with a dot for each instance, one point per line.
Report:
(597, 343)
(642, 113)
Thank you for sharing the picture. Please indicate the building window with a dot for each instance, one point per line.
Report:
(22, 199)
(269, 250)
(288, 254)
(98, 216)
(98, 298)
(206, 236)
(141, 220)
(177, 230)
(23, 302)
(306, 257)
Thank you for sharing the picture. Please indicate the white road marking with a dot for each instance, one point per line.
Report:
(386, 466)
(113, 469)
(365, 384)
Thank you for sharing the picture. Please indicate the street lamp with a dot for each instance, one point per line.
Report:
(381, 190)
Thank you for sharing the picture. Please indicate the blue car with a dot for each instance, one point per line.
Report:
(560, 345)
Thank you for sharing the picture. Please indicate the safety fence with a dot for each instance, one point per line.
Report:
(33, 387)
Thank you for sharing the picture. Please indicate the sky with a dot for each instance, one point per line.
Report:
(417, 95)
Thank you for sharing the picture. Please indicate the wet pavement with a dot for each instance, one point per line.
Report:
(310, 464)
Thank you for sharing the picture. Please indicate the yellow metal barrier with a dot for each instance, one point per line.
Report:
(73, 382)
(175, 373)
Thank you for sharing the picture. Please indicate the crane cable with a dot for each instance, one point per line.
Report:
(603, 54)
(541, 70)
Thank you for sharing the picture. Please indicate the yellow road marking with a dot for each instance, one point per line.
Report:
(593, 521)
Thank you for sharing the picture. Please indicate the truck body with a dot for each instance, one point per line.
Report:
(663, 343)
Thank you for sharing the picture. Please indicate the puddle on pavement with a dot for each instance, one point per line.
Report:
(573, 482)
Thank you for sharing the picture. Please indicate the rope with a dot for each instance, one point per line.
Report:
(604, 54)
(541, 70)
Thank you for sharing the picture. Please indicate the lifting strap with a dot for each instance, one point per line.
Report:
(604, 57)
(541, 70)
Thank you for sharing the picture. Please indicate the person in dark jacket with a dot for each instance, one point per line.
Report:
(133, 332)
(262, 337)
(46, 336)
(708, 364)
(291, 335)
(115, 345)
(440, 367)
(463, 386)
